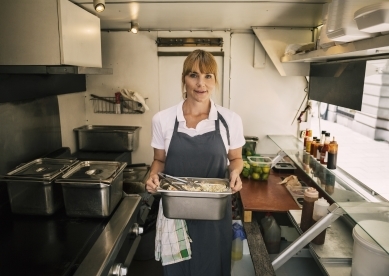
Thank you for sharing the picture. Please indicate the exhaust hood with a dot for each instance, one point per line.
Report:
(54, 70)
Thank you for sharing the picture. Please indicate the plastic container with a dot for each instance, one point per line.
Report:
(259, 167)
(373, 18)
(272, 234)
(238, 235)
(250, 146)
(310, 196)
(320, 210)
(368, 257)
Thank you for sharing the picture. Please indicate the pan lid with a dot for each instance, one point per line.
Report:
(41, 169)
(93, 172)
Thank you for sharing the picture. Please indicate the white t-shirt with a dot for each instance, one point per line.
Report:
(163, 126)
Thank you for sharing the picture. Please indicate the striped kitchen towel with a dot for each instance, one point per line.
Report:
(172, 242)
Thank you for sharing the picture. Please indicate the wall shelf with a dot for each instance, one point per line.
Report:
(371, 48)
(107, 105)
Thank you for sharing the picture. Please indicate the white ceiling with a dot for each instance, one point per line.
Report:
(207, 15)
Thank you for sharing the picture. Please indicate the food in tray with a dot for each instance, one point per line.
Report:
(204, 187)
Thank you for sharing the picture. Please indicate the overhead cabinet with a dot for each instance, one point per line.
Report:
(48, 32)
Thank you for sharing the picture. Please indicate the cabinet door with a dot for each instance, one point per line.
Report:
(80, 39)
(29, 32)
(48, 32)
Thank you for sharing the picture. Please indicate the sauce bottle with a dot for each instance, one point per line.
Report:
(308, 142)
(313, 146)
(324, 150)
(305, 137)
(310, 196)
(332, 154)
(321, 143)
(319, 211)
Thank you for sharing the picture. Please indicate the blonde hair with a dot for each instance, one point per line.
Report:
(206, 63)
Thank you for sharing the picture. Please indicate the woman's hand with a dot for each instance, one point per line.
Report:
(235, 168)
(152, 183)
(235, 182)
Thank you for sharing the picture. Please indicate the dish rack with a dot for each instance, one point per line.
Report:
(107, 105)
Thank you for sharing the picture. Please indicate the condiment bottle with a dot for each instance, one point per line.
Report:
(324, 150)
(321, 143)
(305, 137)
(310, 196)
(332, 154)
(237, 241)
(272, 234)
(308, 142)
(319, 210)
(313, 146)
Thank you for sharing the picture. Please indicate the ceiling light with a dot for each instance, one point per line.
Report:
(134, 27)
(99, 5)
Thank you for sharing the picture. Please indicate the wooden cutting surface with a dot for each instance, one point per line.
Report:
(266, 196)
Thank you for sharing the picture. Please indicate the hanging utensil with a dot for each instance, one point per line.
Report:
(117, 103)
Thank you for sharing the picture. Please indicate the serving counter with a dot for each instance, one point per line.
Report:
(334, 257)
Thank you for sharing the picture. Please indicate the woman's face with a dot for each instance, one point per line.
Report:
(199, 86)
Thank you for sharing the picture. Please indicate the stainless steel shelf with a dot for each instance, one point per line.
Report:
(371, 48)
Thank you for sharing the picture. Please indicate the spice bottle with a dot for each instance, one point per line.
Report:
(324, 150)
(321, 143)
(310, 196)
(320, 210)
(313, 145)
(332, 154)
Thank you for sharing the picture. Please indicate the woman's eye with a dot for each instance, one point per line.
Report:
(192, 75)
(208, 76)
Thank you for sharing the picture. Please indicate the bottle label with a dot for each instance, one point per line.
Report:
(318, 154)
(326, 157)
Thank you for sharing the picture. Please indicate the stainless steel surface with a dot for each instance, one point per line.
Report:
(31, 186)
(334, 213)
(101, 257)
(92, 188)
(195, 205)
(107, 138)
(335, 255)
(42, 69)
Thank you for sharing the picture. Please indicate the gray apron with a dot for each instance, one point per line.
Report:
(202, 156)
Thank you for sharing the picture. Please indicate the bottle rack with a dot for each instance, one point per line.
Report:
(107, 105)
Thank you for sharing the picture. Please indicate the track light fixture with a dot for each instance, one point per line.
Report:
(134, 27)
(99, 5)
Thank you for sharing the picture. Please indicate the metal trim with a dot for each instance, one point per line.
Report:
(100, 258)
(54, 70)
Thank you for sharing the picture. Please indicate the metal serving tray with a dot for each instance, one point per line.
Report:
(107, 138)
(194, 205)
(92, 188)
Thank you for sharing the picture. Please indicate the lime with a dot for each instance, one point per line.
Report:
(255, 176)
(266, 169)
(248, 153)
(265, 176)
(245, 173)
(257, 170)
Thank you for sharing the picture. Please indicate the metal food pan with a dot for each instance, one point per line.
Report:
(107, 138)
(92, 188)
(31, 186)
(195, 205)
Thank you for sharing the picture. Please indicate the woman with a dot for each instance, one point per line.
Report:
(198, 138)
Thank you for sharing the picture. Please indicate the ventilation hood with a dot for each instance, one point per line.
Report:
(54, 70)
